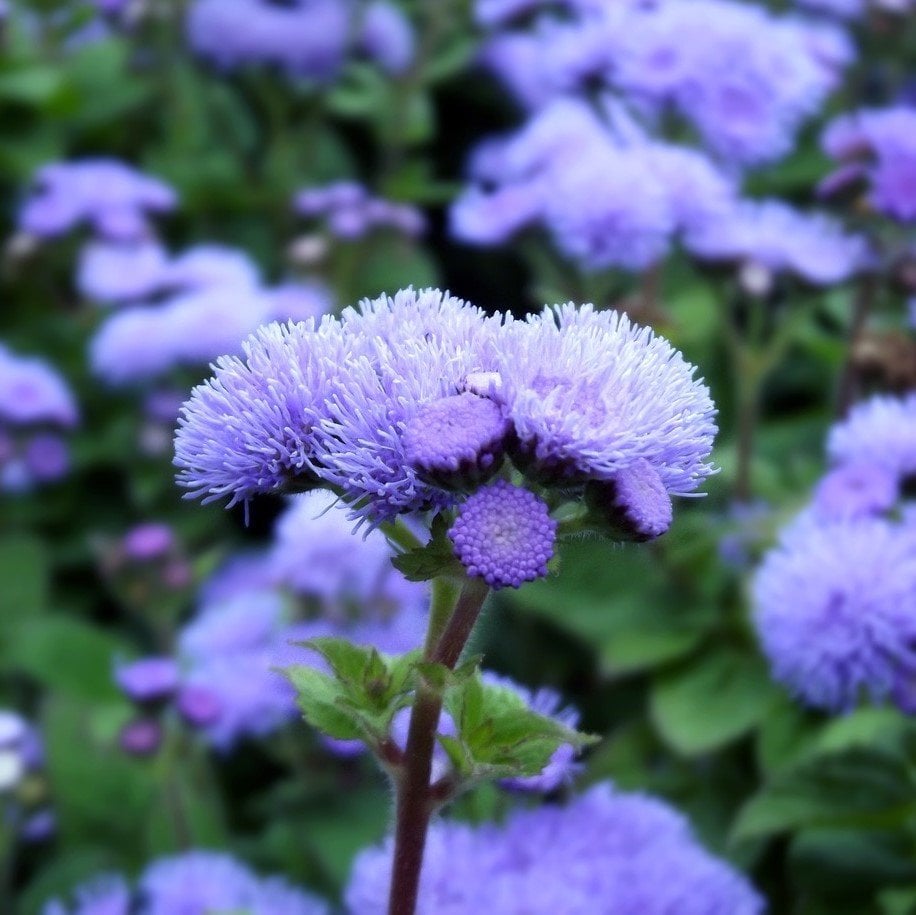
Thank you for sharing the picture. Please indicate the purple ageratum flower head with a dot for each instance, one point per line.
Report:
(387, 36)
(630, 852)
(149, 680)
(251, 428)
(148, 541)
(845, 9)
(198, 706)
(856, 490)
(207, 265)
(504, 534)
(305, 38)
(32, 392)
(770, 233)
(405, 351)
(589, 393)
(46, 457)
(833, 608)
(141, 737)
(114, 272)
(108, 895)
(207, 882)
(108, 195)
(880, 432)
(351, 211)
(634, 503)
(886, 140)
(457, 441)
(299, 301)
(13, 728)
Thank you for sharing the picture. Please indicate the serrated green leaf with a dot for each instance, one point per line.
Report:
(437, 557)
(318, 696)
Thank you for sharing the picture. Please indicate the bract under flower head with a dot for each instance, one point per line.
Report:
(250, 429)
(589, 393)
(504, 534)
(608, 853)
(834, 610)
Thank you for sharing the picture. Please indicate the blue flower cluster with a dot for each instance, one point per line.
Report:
(835, 600)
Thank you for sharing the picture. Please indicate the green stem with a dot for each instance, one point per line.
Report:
(442, 602)
(415, 800)
(861, 309)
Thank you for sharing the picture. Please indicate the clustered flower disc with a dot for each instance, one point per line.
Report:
(504, 534)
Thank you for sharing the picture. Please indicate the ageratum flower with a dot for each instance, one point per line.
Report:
(879, 432)
(856, 490)
(589, 393)
(885, 140)
(193, 883)
(251, 428)
(403, 352)
(835, 610)
(350, 211)
(771, 234)
(603, 853)
(109, 196)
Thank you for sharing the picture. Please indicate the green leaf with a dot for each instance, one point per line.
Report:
(435, 558)
(31, 85)
(65, 654)
(499, 736)
(25, 573)
(319, 697)
(858, 786)
(711, 702)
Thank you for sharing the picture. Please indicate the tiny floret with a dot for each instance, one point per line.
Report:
(456, 440)
(504, 534)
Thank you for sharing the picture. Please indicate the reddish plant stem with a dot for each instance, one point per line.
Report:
(415, 799)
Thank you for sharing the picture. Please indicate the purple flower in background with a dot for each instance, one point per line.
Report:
(109, 895)
(885, 141)
(609, 853)
(141, 737)
(207, 265)
(32, 392)
(879, 432)
(149, 680)
(110, 272)
(299, 301)
(194, 883)
(773, 235)
(386, 36)
(504, 534)
(105, 194)
(834, 610)
(316, 554)
(856, 490)
(145, 542)
(350, 211)
(589, 393)
(35, 403)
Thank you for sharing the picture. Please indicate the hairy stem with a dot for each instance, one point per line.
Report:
(415, 799)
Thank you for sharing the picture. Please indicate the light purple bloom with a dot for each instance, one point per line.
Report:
(589, 393)
(46, 457)
(151, 540)
(608, 853)
(109, 196)
(856, 490)
(151, 679)
(386, 36)
(111, 272)
(107, 895)
(773, 235)
(206, 265)
(885, 139)
(32, 392)
(250, 429)
(879, 432)
(504, 534)
(350, 211)
(834, 610)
